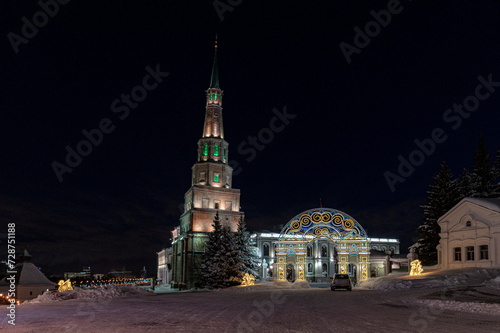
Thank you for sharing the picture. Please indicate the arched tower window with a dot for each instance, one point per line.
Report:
(205, 150)
(266, 250)
(324, 251)
(216, 150)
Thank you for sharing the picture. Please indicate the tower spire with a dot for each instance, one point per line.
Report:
(214, 80)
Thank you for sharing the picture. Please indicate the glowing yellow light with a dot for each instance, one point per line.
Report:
(64, 285)
(416, 267)
(248, 280)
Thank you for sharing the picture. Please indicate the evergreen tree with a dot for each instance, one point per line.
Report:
(221, 261)
(464, 185)
(232, 262)
(496, 184)
(483, 174)
(246, 246)
(442, 195)
(211, 267)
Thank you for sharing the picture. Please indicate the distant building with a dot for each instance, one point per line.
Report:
(470, 235)
(84, 274)
(121, 274)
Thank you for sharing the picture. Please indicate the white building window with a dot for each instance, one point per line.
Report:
(309, 251)
(470, 253)
(325, 268)
(457, 254)
(309, 268)
(483, 252)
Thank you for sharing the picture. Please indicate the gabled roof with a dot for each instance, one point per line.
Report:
(29, 274)
(492, 204)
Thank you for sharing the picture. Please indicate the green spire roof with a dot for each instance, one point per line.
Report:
(214, 81)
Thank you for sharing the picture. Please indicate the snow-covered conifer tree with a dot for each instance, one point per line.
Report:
(246, 246)
(442, 195)
(221, 261)
(483, 173)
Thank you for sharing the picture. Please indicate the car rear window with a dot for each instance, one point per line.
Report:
(341, 276)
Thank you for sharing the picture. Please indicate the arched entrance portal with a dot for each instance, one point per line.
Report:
(290, 273)
(351, 254)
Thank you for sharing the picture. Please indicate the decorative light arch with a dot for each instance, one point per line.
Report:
(323, 223)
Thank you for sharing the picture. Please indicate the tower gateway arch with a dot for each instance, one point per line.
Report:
(351, 246)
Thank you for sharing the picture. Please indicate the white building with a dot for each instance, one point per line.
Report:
(470, 235)
(164, 266)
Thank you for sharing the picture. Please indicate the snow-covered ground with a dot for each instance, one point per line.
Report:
(451, 301)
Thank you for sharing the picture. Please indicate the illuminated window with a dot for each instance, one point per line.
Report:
(224, 153)
(205, 150)
(216, 150)
(216, 177)
(457, 254)
(483, 252)
(215, 96)
(470, 252)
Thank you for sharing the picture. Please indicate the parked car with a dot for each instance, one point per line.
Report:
(341, 281)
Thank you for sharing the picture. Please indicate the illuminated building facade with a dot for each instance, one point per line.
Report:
(316, 244)
(211, 192)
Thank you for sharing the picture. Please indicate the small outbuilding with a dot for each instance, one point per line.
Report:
(30, 281)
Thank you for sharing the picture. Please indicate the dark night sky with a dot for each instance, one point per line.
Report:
(118, 206)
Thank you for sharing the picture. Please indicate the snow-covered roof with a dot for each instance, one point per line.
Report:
(32, 275)
(28, 274)
(488, 203)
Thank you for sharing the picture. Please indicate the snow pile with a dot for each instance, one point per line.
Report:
(494, 283)
(386, 283)
(447, 278)
(469, 307)
(271, 285)
(109, 291)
